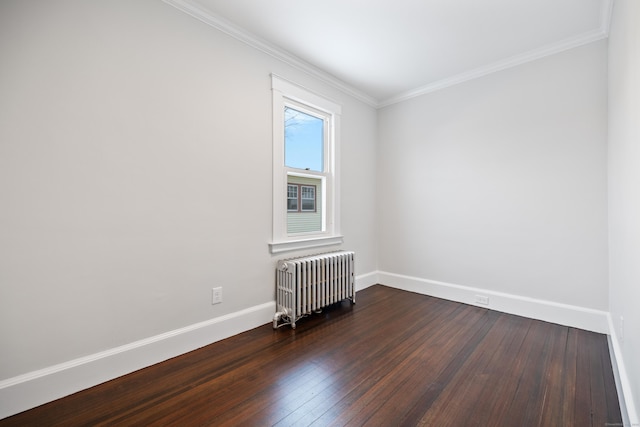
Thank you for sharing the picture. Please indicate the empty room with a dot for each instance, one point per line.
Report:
(320, 213)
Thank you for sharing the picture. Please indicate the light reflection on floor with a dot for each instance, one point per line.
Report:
(307, 390)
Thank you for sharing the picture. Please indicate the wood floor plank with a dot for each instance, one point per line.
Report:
(525, 376)
(476, 383)
(542, 364)
(360, 376)
(387, 358)
(394, 358)
(569, 380)
(415, 369)
(600, 379)
(554, 367)
(610, 390)
(502, 371)
(582, 408)
(460, 347)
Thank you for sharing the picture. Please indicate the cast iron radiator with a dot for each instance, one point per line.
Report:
(307, 284)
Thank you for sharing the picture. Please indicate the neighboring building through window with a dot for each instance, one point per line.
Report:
(301, 198)
(292, 198)
(305, 214)
(305, 159)
(307, 198)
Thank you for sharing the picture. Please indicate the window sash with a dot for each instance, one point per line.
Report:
(317, 155)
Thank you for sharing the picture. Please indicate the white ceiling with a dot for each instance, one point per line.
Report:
(384, 51)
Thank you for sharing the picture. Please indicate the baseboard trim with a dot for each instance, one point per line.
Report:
(623, 386)
(27, 391)
(549, 311)
(363, 281)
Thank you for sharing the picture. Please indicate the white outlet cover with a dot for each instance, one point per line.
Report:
(216, 295)
(481, 299)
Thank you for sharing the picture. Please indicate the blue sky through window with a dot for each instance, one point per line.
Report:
(303, 140)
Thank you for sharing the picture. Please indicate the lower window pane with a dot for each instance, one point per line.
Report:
(304, 205)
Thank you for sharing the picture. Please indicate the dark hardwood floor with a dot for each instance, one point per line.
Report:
(394, 359)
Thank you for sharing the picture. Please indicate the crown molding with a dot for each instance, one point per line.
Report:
(194, 9)
(605, 18)
(197, 11)
(513, 61)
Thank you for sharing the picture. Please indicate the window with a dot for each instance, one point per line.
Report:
(307, 198)
(305, 168)
(301, 198)
(292, 198)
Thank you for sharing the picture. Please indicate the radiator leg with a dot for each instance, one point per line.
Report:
(276, 319)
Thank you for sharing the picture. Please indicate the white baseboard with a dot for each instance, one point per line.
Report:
(35, 388)
(363, 281)
(562, 314)
(27, 391)
(623, 386)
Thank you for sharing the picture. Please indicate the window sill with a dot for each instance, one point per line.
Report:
(294, 245)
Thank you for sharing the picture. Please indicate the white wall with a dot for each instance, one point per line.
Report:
(624, 187)
(500, 183)
(135, 175)
(131, 135)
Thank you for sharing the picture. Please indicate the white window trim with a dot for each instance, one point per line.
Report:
(284, 91)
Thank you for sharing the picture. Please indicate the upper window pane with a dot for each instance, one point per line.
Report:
(308, 192)
(303, 140)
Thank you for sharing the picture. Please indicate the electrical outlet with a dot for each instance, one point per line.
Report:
(216, 295)
(482, 299)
